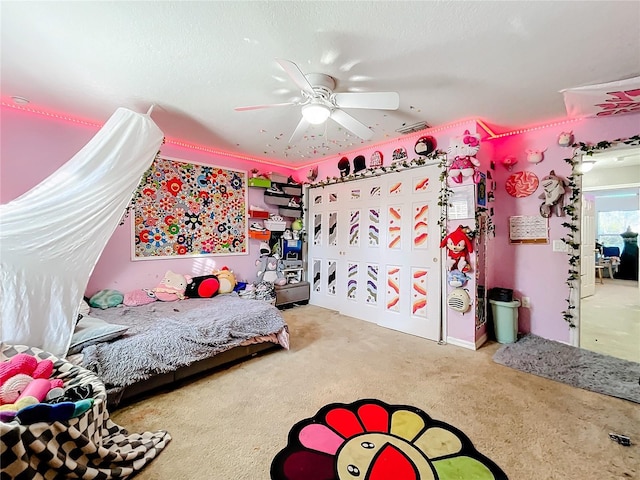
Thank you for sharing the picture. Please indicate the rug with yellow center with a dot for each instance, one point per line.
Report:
(371, 440)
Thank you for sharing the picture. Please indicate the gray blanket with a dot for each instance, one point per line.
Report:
(164, 336)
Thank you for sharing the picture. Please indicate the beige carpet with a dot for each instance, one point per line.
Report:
(610, 319)
(230, 424)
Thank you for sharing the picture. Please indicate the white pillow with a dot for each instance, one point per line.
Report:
(91, 330)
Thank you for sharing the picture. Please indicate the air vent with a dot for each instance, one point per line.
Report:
(416, 127)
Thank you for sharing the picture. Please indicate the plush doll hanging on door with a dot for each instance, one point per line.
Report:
(459, 245)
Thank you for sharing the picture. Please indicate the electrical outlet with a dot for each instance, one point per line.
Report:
(526, 302)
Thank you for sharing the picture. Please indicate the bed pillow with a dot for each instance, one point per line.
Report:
(91, 330)
(106, 299)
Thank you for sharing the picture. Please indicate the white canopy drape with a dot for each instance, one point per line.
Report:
(52, 236)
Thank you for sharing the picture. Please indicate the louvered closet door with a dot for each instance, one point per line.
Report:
(386, 257)
(325, 250)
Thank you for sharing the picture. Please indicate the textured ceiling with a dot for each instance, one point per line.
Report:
(503, 62)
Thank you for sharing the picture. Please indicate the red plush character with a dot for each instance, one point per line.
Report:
(459, 245)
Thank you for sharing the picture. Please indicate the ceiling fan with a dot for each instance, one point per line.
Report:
(320, 103)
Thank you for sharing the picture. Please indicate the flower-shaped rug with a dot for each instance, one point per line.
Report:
(371, 440)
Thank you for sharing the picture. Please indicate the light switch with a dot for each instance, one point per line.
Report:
(559, 246)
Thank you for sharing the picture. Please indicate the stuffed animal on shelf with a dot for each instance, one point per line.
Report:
(227, 280)
(461, 158)
(458, 245)
(269, 267)
(553, 190)
(19, 372)
(172, 287)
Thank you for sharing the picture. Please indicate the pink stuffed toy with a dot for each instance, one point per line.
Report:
(18, 372)
(172, 287)
(139, 297)
(462, 161)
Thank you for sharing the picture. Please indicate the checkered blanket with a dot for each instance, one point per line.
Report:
(90, 446)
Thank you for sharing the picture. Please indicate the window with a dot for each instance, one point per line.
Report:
(612, 224)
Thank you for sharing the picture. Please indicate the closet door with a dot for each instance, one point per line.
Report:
(379, 240)
(410, 258)
(325, 247)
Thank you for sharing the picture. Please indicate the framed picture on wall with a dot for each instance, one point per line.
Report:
(186, 209)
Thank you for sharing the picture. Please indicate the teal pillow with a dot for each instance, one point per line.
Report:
(106, 299)
(91, 330)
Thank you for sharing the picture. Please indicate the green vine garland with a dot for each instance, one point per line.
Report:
(571, 210)
(376, 172)
(443, 197)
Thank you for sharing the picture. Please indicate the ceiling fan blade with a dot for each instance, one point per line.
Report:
(377, 100)
(297, 76)
(258, 107)
(302, 127)
(355, 126)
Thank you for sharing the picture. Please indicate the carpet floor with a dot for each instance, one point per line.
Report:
(231, 424)
(574, 366)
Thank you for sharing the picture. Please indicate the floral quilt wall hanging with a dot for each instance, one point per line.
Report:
(189, 210)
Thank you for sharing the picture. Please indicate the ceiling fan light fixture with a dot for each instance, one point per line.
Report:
(316, 113)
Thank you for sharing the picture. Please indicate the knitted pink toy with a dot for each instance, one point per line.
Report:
(20, 371)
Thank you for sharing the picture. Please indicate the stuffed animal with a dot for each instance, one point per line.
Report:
(269, 267)
(462, 161)
(142, 296)
(18, 372)
(172, 287)
(535, 156)
(553, 190)
(227, 280)
(565, 139)
(459, 245)
(206, 286)
(455, 278)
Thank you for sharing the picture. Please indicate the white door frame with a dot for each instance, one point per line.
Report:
(574, 333)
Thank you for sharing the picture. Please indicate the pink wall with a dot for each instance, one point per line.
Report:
(34, 146)
(536, 271)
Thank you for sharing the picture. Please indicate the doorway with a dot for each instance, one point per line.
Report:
(609, 311)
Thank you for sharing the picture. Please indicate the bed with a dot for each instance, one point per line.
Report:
(169, 341)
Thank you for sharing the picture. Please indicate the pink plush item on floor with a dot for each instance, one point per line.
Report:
(39, 388)
(18, 372)
(139, 297)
